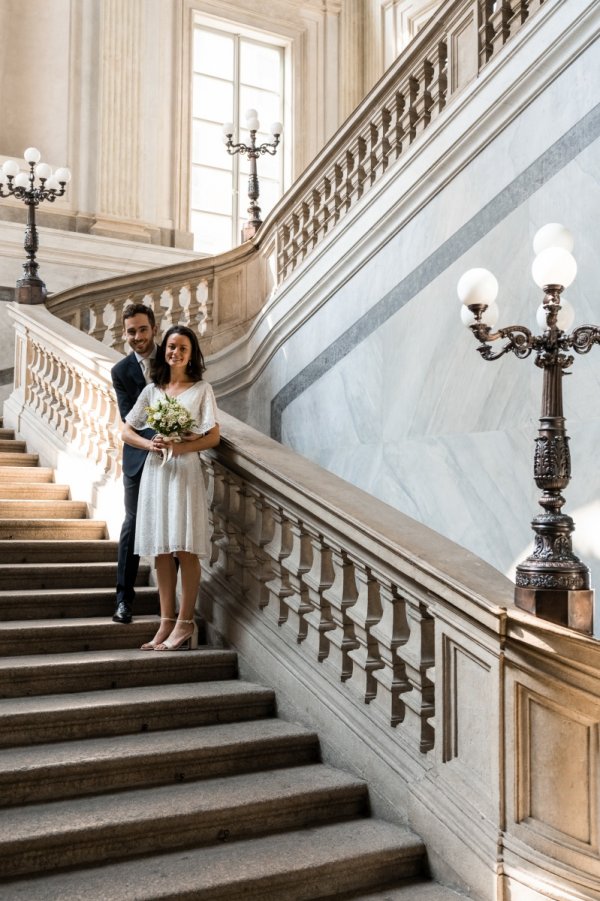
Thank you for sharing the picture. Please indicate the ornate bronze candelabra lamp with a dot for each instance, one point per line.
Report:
(14, 183)
(552, 583)
(252, 151)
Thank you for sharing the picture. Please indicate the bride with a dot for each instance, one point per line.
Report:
(172, 519)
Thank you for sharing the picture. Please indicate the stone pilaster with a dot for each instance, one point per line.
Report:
(120, 116)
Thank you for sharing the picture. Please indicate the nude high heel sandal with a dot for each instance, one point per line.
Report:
(188, 643)
(152, 645)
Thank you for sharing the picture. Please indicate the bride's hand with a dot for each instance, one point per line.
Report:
(158, 443)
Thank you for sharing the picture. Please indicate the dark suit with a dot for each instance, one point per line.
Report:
(128, 382)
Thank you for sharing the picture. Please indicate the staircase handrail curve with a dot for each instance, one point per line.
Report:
(413, 92)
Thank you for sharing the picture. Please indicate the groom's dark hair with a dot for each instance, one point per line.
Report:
(160, 368)
(134, 308)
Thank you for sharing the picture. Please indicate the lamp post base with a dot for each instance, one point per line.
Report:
(30, 291)
(250, 229)
(571, 608)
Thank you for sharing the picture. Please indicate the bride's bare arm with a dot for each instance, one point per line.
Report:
(197, 442)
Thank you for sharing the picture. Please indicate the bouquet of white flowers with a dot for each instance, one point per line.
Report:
(170, 419)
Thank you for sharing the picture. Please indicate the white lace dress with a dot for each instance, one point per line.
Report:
(172, 513)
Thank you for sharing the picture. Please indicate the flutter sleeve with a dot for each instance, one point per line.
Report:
(137, 416)
(206, 416)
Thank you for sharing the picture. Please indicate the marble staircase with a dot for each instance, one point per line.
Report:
(128, 775)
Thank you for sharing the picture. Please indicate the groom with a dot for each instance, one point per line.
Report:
(129, 377)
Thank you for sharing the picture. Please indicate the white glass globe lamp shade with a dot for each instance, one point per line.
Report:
(22, 180)
(477, 286)
(43, 170)
(565, 317)
(553, 235)
(32, 155)
(489, 316)
(251, 114)
(554, 266)
(228, 129)
(252, 124)
(10, 168)
(276, 129)
(63, 175)
(52, 183)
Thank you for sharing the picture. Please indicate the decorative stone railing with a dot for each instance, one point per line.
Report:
(473, 721)
(219, 297)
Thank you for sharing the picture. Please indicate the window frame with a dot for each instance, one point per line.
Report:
(240, 33)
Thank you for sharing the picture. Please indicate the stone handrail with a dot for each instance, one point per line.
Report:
(219, 297)
(471, 719)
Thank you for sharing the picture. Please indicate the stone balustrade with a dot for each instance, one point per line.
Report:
(470, 719)
(219, 297)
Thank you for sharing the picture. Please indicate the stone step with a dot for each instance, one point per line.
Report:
(44, 837)
(45, 674)
(11, 445)
(14, 458)
(65, 603)
(38, 491)
(316, 863)
(123, 711)
(62, 575)
(50, 551)
(44, 529)
(78, 768)
(52, 636)
(42, 509)
(410, 891)
(7, 433)
(179, 816)
(21, 473)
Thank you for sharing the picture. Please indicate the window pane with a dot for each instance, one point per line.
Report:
(213, 53)
(212, 234)
(208, 146)
(260, 65)
(213, 99)
(266, 103)
(212, 190)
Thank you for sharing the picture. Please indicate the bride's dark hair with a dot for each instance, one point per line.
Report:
(160, 369)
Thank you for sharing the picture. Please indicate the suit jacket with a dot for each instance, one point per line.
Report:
(128, 382)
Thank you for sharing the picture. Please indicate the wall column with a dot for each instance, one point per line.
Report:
(351, 72)
(120, 152)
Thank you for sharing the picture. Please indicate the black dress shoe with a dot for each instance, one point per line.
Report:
(122, 613)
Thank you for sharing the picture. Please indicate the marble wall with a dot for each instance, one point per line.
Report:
(383, 385)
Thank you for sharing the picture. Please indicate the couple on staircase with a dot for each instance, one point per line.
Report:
(166, 515)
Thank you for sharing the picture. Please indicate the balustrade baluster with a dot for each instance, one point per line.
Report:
(283, 260)
(215, 497)
(317, 579)
(418, 656)
(277, 549)
(338, 181)
(486, 31)
(423, 76)
(232, 541)
(365, 613)
(438, 85)
(409, 91)
(391, 632)
(295, 564)
(341, 595)
(259, 534)
(396, 132)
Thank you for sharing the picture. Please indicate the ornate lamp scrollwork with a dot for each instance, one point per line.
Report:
(22, 185)
(252, 151)
(552, 582)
